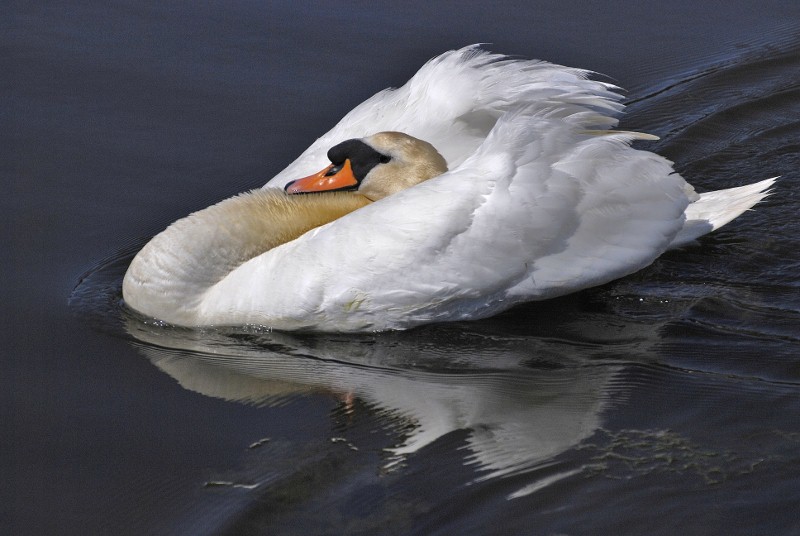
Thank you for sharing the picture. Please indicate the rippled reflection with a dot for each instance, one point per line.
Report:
(516, 417)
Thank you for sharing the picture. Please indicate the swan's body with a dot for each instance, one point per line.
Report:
(534, 197)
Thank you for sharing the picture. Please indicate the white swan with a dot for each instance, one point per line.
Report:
(533, 197)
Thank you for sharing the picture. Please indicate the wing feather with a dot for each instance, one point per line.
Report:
(541, 208)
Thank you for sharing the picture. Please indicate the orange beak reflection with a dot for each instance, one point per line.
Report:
(331, 178)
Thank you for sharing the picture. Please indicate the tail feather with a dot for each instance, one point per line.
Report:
(714, 209)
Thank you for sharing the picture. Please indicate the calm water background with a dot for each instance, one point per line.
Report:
(664, 403)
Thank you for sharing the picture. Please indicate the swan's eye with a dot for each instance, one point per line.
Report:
(334, 170)
(385, 158)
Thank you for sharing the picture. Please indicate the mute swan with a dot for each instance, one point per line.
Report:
(520, 191)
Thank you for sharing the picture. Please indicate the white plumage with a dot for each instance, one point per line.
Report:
(541, 199)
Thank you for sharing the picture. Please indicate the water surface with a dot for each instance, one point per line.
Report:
(664, 402)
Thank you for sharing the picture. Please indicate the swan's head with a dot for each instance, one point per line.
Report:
(376, 166)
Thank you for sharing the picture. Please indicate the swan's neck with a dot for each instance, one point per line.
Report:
(169, 276)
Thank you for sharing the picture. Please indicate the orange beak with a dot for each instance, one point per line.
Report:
(326, 180)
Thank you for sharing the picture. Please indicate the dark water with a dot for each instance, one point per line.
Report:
(664, 403)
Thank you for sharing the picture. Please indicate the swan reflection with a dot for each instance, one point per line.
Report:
(518, 415)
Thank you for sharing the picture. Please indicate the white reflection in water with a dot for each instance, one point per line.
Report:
(517, 417)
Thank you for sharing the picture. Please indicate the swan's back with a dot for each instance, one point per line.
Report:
(455, 100)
